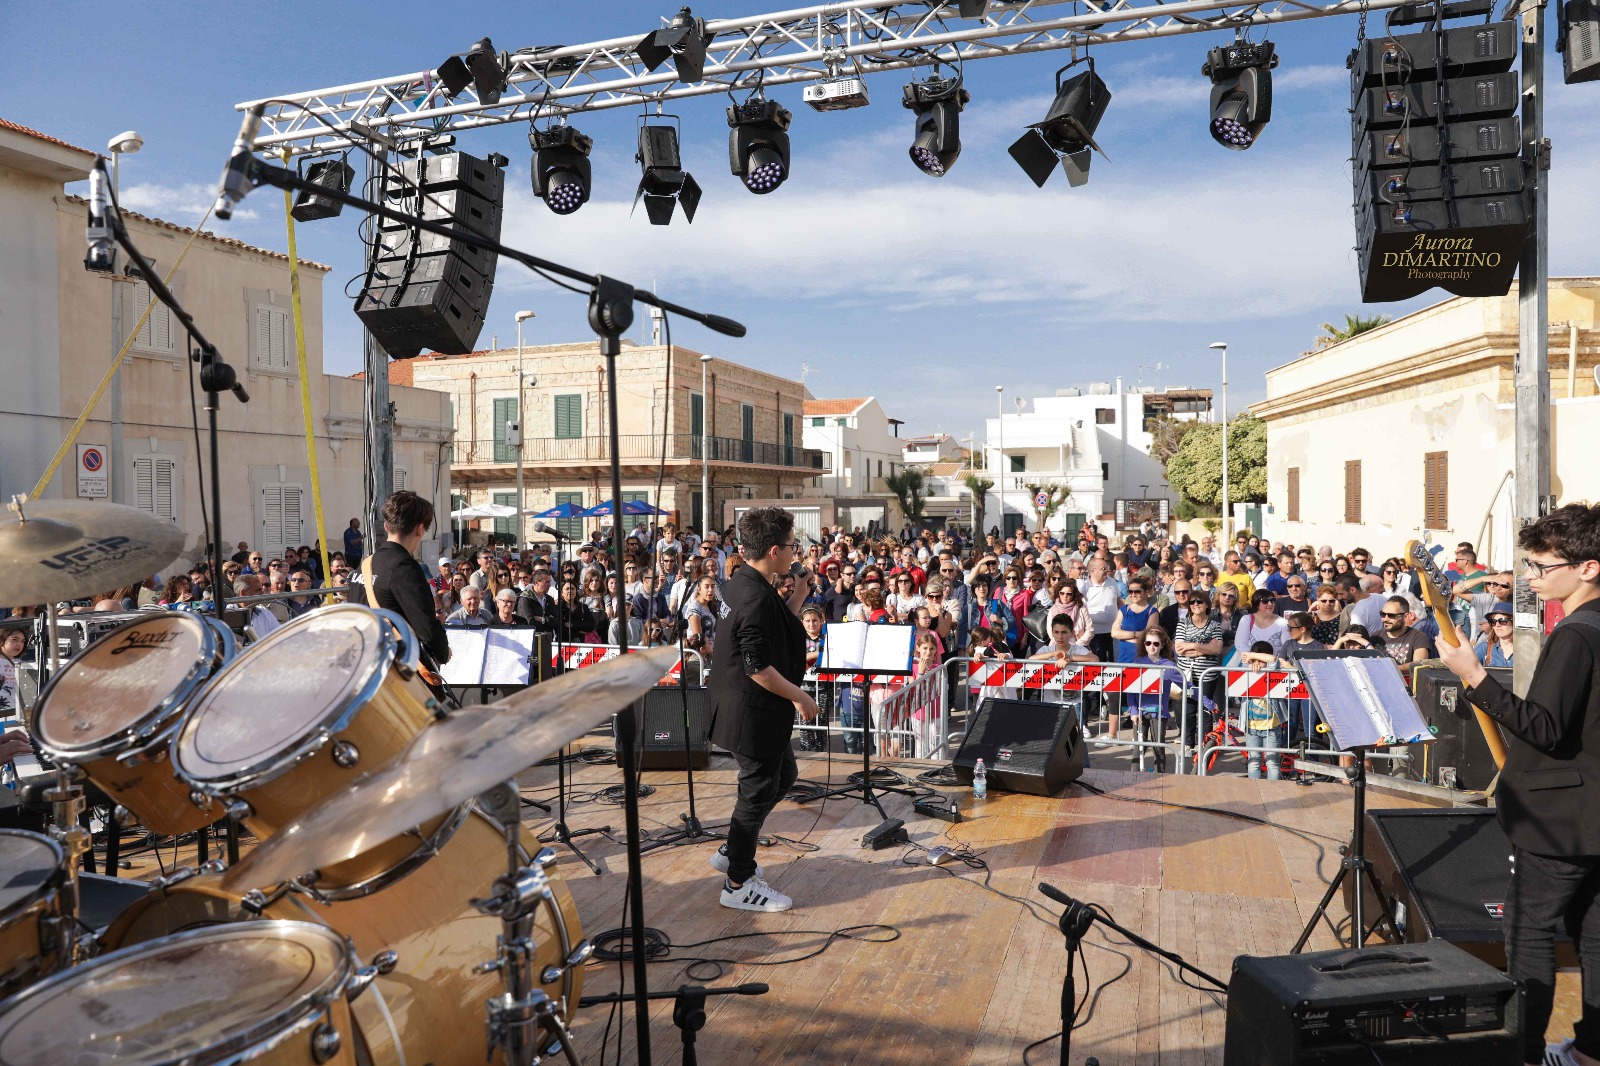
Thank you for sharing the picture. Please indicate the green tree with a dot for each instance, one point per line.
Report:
(1195, 470)
(1354, 325)
(1056, 497)
(908, 487)
(979, 487)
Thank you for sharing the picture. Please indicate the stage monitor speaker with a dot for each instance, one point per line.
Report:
(661, 730)
(1459, 756)
(1447, 872)
(1036, 748)
(1405, 1006)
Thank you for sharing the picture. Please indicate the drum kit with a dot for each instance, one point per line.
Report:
(382, 917)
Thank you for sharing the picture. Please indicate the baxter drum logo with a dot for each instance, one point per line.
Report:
(94, 555)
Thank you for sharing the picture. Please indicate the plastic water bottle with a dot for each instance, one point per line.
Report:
(980, 781)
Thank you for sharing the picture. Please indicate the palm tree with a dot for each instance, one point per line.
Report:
(979, 488)
(1354, 325)
(907, 487)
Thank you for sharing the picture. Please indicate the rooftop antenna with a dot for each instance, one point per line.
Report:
(1158, 368)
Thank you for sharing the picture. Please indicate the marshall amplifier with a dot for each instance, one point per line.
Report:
(661, 745)
(1400, 1006)
(1025, 746)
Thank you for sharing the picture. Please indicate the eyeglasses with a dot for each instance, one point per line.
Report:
(1498, 584)
(255, 558)
(1132, 589)
(1152, 644)
(1392, 614)
(1324, 569)
(1543, 568)
(1297, 584)
(274, 566)
(1501, 620)
(1013, 577)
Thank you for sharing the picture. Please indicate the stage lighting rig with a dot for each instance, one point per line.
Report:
(1241, 91)
(663, 182)
(758, 144)
(334, 174)
(482, 69)
(1067, 132)
(684, 39)
(937, 103)
(561, 173)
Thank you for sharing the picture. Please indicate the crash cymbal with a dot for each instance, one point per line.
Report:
(449, 763)
(52, 550)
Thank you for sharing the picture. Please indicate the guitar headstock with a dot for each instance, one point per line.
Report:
(1434, 584)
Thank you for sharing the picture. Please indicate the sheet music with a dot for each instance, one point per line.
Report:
(508, 655)
(1364, 701)
(466, 656)
(875, 649)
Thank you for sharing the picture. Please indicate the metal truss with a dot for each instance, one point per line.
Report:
(809, 44)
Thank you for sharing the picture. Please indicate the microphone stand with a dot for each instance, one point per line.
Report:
(692, 830)
(216, 377)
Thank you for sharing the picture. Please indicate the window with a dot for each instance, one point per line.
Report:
(570, 527)
(788, 440)
(157, 334)
(280, 516)
(1436, 490)
(153, 477)
(818, 423)
(841, 421)
(1352, 492)
(747, 431)
(1105, 471)
(503, 527)
(1019, 463)
(569, 416)
(402, 479)
(697, 423)
(271, 347)
(505, 410)
(1293, 505)
(880, 467)
(1105, 416)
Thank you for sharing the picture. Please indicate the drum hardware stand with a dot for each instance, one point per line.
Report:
(610, 315)
(67, 799)
(1074, 922)
(688, 1008)
(519, 1015)
(692, 832)
(1355, 864)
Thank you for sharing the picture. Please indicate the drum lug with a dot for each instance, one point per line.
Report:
(238, 810)
(580, 955)
(140, 756)
(545, 858)
(345, 754)
(437, 709)
(359, 982)
(121, 814)
(325, 1043)
(385, 962)
(200, 800)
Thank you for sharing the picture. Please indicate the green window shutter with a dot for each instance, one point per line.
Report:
(505, 410)
(505, 527)
(569, 416)
(570, 527)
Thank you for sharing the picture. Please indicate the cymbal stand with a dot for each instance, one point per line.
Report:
(520, 1014)
(67, 798)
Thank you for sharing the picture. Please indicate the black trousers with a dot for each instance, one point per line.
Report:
(762, 783)
(1545, 891)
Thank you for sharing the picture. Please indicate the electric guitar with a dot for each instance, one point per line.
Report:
(1431, 583)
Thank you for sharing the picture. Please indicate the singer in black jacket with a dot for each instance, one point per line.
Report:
(1550, 785)
(757, 665)
(398, 583)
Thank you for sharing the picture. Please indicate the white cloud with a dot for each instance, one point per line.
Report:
(182, 205)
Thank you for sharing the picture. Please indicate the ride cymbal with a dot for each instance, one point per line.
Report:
(52, 550)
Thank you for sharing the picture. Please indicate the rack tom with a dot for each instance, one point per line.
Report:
(315, 705)
(267, 993)
(34, 942)
(113, 709)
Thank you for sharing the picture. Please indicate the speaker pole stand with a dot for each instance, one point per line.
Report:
(1356, 865)
(692, 831)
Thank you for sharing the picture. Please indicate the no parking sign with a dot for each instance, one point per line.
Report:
(93, 471)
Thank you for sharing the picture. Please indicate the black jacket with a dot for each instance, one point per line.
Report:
(758, 631)
(401, 586)
(537, 611)
(1550, 784)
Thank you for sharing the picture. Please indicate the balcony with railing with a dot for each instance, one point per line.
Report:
(632, 447)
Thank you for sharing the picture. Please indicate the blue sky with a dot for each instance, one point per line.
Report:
(883, 281)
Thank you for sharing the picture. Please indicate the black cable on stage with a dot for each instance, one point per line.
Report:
(658, 947)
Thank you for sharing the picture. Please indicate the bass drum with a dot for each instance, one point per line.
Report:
(432, 1004)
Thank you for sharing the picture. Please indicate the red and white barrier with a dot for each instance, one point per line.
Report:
(1071, 677)
(1280, 684)
(577, 656)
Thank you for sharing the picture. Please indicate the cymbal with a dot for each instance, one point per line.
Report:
(450, 762)
(52, 550)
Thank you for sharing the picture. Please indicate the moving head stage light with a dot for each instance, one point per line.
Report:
(685, 40)
(937, 103)
(1241, 91)
(663, 182)
(561, 174)
(758, 144)
(1067, 132)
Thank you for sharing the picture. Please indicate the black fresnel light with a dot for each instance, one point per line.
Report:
(561, 173)
(1241, 91)
(663, 182)
(758, 144)
(937, 103)
(482, 69)
(1066, 134)
(685, 40)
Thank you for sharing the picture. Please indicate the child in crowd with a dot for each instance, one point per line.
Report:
(1259, 716)
(13, 642)
(811, 618)
(985, 646)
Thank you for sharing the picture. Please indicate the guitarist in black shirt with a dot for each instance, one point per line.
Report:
(1550, 784)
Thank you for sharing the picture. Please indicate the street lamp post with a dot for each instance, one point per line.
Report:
(1000, 451)
(705, 448)
(126, 143)
(1227, 512)
(522, 433)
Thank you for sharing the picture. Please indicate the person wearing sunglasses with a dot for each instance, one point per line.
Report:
(1402, 642)
(1494, 648)
(1550, 784)
(1150, 711)
(1471, 599)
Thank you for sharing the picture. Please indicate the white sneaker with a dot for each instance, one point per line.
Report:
(719, 862)
(755, 895)
(1560, 1054)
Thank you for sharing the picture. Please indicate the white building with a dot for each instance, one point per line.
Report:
(930, 448)
(1094, 441)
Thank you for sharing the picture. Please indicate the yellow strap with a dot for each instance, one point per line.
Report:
(305, 381)
(111, 371)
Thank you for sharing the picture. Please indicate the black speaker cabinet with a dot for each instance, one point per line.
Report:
(1459, 756)
(661, 730)
(1405, 1006)
(1036, 748)
(1447, 871)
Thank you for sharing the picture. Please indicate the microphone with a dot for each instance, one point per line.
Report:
(1056, 894)
(546, 528)
(235, 179)
(102, 254)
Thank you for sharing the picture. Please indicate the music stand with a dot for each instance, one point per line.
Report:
(1364, 702)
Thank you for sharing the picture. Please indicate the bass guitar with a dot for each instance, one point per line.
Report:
(1432, 583)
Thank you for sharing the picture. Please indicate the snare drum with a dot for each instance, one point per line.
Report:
(112, 711)
(270, 993)
(432, 1003)
(315, 705)
(33, 940)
